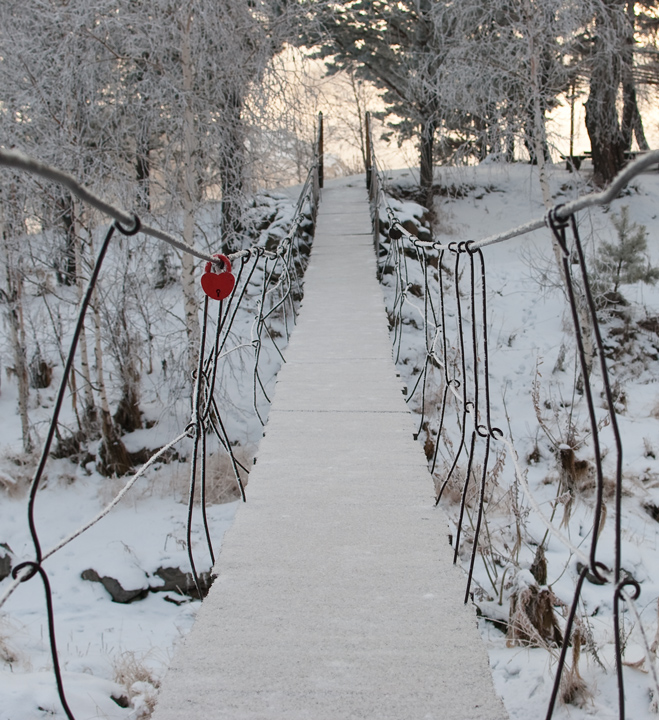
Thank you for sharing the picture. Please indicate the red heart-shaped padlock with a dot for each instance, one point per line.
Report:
(218, 285)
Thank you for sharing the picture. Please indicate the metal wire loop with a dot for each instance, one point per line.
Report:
(558, 227)
(467, 315)
(628, 582)
(137, 224)
(34, 569)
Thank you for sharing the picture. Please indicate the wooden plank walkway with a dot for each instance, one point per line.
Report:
(336, 597)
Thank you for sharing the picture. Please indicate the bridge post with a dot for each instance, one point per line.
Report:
(369, 160)
(320, 151)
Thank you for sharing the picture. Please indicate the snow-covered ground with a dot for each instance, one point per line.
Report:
(532, 353)
(121, 650)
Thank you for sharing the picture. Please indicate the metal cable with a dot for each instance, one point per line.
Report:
(19, 161)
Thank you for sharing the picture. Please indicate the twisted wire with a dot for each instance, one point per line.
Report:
(33, 567)
(559, 229)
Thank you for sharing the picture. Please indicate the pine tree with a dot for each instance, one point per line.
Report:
(396, 46)
(625, 262)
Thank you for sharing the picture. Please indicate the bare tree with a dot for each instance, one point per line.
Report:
(11, 231)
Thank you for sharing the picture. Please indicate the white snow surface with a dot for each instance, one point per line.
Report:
(336, 597)
(108, 649)
(527, 325)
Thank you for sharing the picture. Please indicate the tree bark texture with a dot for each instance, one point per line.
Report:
(113, 456)
(190, 301)
(426, 146)
(632, 123)
(66, 262)
(14, 302)
(606, 139)
(231, 161)
(90, 415)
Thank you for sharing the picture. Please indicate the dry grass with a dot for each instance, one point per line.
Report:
(655, 410)
(172, 480)
(16, 473)
(8, 654)
(532, 619)
(132, 673)
(221, 485)
(573, 688)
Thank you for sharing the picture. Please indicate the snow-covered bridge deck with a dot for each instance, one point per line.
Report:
(336, 596)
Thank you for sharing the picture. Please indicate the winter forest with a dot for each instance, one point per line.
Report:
(202, 120)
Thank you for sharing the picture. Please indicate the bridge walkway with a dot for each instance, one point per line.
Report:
(336, 597)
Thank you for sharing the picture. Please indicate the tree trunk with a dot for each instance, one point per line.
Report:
(14, 300)
(143, 138)
(606, 139)
(143, 172)
(66, 263)
(113, 456)
(231, 163)
(536, 119)
(191, 303)
(480, 142)
(128, 415)
(190, 299)
(10, 226)
(632, 123)
(426, 157)
(89, 414)
(535, 126)
(360, 108)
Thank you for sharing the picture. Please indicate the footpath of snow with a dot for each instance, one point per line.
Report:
(528, 328)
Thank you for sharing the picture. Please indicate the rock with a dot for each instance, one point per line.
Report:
(182, 583)
(174, 580)
(117, 592)
(411, 227)
(5, 561)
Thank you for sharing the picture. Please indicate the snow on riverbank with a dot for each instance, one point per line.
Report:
(121, 650)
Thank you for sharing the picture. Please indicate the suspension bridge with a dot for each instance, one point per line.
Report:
(335, 595)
